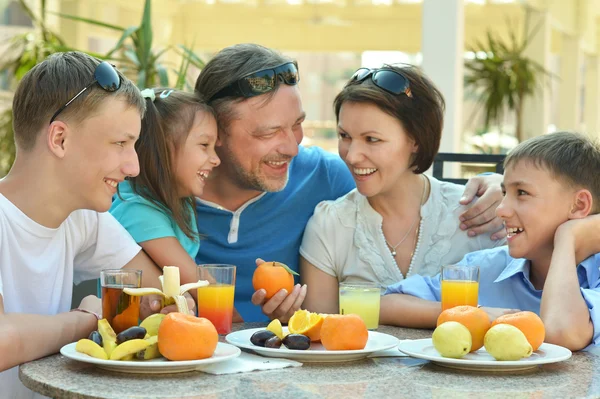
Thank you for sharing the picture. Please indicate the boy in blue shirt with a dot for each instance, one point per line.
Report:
(551, 263)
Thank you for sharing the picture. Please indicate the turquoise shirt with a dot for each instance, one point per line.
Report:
(145, 221)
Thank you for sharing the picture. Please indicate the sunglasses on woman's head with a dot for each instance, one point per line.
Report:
(386, 79)
(105, 75)
(260, 82)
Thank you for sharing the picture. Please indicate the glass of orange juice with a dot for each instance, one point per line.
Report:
(215, 301)
(121, 310)
(460, 286)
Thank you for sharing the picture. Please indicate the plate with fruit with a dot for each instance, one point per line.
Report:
(313, 337)
(466, 339)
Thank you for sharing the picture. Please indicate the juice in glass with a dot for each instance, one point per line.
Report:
(215, 302)
(460, 286)
(362, 299)
(118, 308)
(457, 293)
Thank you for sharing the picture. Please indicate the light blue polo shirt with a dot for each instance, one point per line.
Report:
(271, 225)
(146, 221)
(504, 283)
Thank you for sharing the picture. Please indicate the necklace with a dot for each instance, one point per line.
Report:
(393, 247)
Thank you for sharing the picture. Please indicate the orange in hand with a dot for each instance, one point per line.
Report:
(186, 337)
(344, 332)
(476, 320)
(529, 323)
(272, 277)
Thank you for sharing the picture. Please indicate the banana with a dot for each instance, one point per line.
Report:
(90, 348)
(172, 290)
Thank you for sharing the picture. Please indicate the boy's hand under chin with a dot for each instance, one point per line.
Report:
(583, 234)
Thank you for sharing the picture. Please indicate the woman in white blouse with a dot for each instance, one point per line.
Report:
(398, 221)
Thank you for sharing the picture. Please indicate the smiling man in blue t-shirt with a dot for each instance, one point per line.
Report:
(257, 202)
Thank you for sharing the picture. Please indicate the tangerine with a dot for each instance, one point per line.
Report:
(475, 319)
(529, 323)
(273, 277)
(306, 323)
(186, 337)
(344, 332)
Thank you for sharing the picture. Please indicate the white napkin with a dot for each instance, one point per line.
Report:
(246, 362)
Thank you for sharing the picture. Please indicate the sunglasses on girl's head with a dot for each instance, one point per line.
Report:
(261, 82)
(386, 79)
(105, 75)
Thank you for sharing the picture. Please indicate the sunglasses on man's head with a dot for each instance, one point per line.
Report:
(391, 81)
(105, 75)
(260, 82)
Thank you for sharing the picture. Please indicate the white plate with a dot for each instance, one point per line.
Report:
(154, 366)
(316, 353)
(483, 361)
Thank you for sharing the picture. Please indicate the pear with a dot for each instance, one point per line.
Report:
(172, 291)
(452, 339)
(152, 322)
(506, 342)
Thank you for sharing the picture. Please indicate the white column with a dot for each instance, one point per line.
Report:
(536, 109)
(443, 61)
(591, 113)
(571, 60)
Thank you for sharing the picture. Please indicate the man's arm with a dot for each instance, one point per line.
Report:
(26, 337)
(563, 309)
(481, 216)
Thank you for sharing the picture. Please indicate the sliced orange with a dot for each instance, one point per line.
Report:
(306, 323)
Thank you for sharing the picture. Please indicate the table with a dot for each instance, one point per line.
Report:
(57, 376)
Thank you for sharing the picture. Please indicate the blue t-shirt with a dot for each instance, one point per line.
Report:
(146, 221)
(504, 283)
(271, 225)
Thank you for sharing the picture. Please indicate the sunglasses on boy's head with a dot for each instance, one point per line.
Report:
(261, 82)
(105, 75)
(386, 79)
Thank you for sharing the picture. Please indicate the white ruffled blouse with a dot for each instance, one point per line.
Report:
(344, 238)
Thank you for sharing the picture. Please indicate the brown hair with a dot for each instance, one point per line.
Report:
(421, 115)
(570, 157)
(51, 83)
(165, 127)
(229, 65)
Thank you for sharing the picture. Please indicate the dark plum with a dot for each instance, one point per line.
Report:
(96, 337)
(297, 341)
(273, 342)
(135, 332)
(260, 337)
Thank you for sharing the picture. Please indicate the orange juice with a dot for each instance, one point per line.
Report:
(459, 292)
(215, 302)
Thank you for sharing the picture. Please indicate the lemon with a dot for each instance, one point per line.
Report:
(275, 328)
(452, 339)
(507, 342)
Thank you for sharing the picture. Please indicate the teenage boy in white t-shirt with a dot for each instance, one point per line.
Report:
(74, 146)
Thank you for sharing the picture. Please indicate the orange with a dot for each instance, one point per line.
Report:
(272, 277)
(475, 319)
(306, 323)
(344, 332)
(186, 337)
(529, 323)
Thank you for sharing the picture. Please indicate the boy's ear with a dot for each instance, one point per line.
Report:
(582, 204)
(56, 136)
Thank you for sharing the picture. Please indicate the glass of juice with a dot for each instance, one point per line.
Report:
(362, 299)
(460, 286)
(118, 308)
(215, 301)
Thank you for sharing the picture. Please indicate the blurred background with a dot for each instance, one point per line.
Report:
(509, 69)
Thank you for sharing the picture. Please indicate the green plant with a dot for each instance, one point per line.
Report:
(501, 76)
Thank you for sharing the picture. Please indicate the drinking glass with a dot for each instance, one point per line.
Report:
(460, 286)
(215, 301)
(118, 308)
(362, 299)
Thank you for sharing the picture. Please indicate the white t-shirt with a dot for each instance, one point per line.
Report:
(344, 238)
(38, 265)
